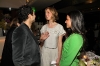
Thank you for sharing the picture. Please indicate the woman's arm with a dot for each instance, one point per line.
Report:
(41, 40)
(59, 48)
(43, 37)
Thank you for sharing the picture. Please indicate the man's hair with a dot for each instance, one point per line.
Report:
(23, 12)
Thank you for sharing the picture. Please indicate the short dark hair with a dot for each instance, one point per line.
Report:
(24, 11)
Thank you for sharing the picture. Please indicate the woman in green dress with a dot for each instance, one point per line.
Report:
(72, 45)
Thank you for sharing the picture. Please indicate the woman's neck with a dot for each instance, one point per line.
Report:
(51, 24)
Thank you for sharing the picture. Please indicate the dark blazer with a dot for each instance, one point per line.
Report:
(7, 49)
(25, 46)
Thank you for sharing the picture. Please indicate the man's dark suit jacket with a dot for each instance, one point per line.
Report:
(25, 46)
(7, 49)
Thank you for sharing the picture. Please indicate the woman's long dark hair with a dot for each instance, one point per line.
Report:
(77, 22)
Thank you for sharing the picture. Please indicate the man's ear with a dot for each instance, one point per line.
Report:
(29, 15)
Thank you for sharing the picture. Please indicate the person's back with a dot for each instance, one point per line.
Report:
(7, 50)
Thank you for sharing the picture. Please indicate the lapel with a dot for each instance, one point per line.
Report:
(30, 32)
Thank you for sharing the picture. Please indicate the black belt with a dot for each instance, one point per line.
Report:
(50, 48)
(35, 64)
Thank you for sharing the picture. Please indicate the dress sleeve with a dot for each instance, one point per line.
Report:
(18, 45)
(61, 30)
(75, 44)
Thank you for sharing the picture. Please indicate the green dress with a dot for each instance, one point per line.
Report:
(70, 49)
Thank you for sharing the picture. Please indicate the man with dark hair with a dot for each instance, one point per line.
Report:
(25, 46)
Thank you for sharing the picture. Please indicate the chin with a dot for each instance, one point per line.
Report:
(68, 27)
(47, 18)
